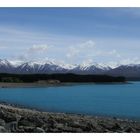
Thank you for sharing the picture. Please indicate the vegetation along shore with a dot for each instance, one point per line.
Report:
(57, 78)
(45, 80)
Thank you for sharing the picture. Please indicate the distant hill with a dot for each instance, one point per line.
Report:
(128, 71)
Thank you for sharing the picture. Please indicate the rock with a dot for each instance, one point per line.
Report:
(2, 129)
(36, 120)
(77, 130)
(59, 125)
(20, 129)
(39, 130)
(12, 126)
(7, 116)
(91, 127)
(67, 129)
(28, 129)
(2, 122)
(25, 122)
(18, 117)
(129, 129)
(51, 123)
(53, 130)
(116, 127)
(72, 130)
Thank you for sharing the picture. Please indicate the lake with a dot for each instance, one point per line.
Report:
(118, 100)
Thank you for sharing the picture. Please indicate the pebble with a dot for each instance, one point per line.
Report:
(39, 130)
(2, 122)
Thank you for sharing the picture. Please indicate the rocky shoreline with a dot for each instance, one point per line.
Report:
(21, 120)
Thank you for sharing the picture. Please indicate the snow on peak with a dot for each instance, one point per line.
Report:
(16, 63)
(58, 64)
(134, 65)
(47, 66)
(85, 66)
(4, 62)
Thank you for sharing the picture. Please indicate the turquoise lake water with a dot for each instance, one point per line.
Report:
(118, 100)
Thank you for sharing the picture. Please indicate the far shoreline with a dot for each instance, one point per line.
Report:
(43, 85)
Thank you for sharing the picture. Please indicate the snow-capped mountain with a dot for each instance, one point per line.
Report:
(132, 70)
(90, 69)
(36, 67)
(28, 67)
(6, 66)
(50, 67)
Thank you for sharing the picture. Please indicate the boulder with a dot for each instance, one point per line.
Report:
(2, 129)
(2, 122)
(39, 130)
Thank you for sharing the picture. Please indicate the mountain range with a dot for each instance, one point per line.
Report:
(132, 70)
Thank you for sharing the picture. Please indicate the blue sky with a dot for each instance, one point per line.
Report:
(71, 35)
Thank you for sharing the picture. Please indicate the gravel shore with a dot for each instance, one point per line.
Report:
(21, 120)
(25, 85)
(46, 84)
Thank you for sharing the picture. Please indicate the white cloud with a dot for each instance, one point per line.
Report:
(87, 51)
(38, 49)
(79, 49)
(82, 53)
(35, 52)
(113, 52)
(22, 57)
(87, 62)
(124, 61)
(87, 44)
(72, 52)
(134, 60)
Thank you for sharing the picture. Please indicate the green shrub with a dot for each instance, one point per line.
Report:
(11, 79)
